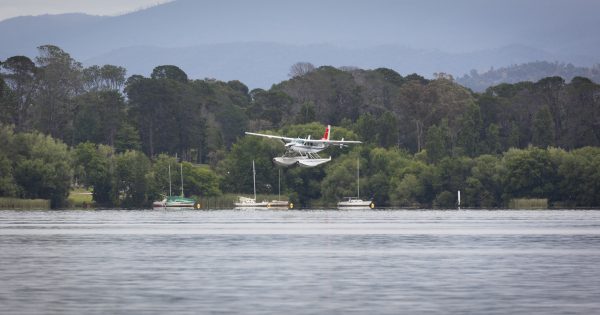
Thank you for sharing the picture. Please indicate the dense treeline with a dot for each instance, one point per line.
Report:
(531, 71)
(424, 139)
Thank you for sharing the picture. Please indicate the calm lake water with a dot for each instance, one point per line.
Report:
(299, 262)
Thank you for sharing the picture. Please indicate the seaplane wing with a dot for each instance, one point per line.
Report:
(284, 139)
(332, 142)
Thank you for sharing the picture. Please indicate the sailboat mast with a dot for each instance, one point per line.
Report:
(170, 192)
(254, 179)
(358, 178)
(181, 171)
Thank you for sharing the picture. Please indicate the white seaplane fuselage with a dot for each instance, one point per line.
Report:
(303, 147)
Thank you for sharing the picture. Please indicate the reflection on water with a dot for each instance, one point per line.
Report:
(300, 262)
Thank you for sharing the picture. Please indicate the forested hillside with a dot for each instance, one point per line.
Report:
(532, 71)
(424, 139)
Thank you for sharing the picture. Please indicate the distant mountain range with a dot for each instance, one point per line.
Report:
(257, 41)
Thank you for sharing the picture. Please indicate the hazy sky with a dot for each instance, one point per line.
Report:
(12, 8)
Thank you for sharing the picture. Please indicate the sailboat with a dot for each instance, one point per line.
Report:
(280, 204)
(176, 202)
(245, 202)
(356, 202)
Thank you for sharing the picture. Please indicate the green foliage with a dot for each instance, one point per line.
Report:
(437, 142)
(169, 72)
(8, 187)
(412, 185)
(99, 117)
(543, 128)
(469, 135)
(236, 168)
(200, 181)
(445, 199)
(580, 171)
(306, 114)
(529, 173)
(269, 106)
(34, 167)
(424, 139)
(168, 117)
(59, 80)
(105, 78)
(17, 86)
(133, 179)
(127, 138)
(340, 180)
(483, 188)
(197, 180)
(95, 167)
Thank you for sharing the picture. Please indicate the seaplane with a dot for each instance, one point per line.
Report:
(304, 152)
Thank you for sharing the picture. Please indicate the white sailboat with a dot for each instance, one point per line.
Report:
(280, 204)
(249, 203)
(356, 202)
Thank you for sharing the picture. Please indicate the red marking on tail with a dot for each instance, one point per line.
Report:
(326, 134)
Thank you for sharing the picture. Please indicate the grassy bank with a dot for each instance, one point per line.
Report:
(528, 203)
(24, 204)
(80, 199)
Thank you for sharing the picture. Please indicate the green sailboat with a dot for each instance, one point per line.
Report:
(176, 202)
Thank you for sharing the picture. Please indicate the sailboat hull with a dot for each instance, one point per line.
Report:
(356, 204)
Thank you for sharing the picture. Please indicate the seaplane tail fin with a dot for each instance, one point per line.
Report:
(326, 134)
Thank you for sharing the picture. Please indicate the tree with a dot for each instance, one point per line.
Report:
(127, 138)
(99, 117)
(550, 90)
(42, 168)
(529, 173)
(306, 114)
(391, 76)
(387, 135)
(492, 139)
(470, 130)
(59, 81)
(483, 188)
(133, 179)
(579, 172)
(301, 68)
(437, 144)
(18, 73)
(200, 181)
(340, 180)
(270, 106)
(169, 72)
(412, 184)
(543, 130)
(95, 167)
(236, 168)
(8, 186)
(105, 78)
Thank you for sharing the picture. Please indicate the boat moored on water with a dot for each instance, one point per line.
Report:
(355, 203)
(280, 204)
(250, 203)
(176, 202)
